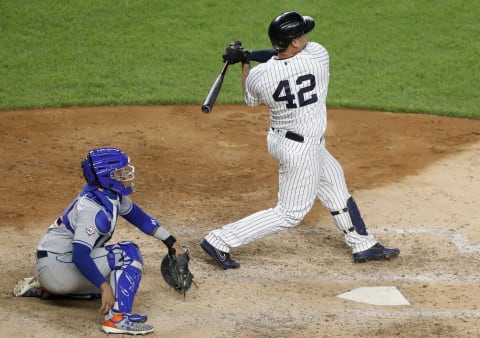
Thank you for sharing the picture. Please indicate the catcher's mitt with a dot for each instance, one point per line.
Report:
(175, 271)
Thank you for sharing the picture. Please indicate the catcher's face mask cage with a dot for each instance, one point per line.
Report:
(109, 168)
(125, 175)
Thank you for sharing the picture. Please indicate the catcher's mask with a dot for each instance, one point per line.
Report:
(288, 26)
(109, 168)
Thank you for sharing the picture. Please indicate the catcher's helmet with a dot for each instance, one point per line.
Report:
(109, 168)
(288, 26)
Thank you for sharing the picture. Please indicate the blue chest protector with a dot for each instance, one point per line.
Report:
(103, 220)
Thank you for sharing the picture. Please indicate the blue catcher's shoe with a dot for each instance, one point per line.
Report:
(222, 258)
(127, 323)
(375, 253)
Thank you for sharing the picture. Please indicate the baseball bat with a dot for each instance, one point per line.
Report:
(207, 105)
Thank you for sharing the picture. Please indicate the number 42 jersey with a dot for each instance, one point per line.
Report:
(295, 89)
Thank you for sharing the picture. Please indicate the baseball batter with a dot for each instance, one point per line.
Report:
(73, 257)
(293, 83)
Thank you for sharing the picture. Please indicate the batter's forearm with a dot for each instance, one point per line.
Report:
(261, 55)
(245, 71)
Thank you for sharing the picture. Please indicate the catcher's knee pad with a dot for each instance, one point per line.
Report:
(126, 263)
(124, 253)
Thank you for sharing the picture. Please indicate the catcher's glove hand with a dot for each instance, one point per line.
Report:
(175, 271)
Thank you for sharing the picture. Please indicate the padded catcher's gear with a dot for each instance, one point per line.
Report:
(109, 168)
(175, 271)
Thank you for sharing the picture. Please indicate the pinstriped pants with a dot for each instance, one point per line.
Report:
(307, 171)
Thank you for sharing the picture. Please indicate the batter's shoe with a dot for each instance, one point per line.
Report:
(222, 258)
(375, 253)
(30, 287)
(127, 323)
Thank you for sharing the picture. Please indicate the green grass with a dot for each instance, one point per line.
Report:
(409, 55)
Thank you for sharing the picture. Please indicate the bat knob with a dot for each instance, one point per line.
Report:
(206, 109)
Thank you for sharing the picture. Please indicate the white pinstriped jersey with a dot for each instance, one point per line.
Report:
(295, 89)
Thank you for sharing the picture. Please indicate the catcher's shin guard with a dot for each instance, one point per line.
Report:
(126, 262)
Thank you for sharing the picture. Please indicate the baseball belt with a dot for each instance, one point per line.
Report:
(42, 254)
(293, 136)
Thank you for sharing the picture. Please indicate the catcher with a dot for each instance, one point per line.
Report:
(74, 260)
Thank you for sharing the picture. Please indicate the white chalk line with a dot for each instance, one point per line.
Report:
(406, 314)
(349, 313)
(458, 239)
(302, 275)
(417, 278)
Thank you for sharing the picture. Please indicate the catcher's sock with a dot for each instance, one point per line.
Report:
(126, 323)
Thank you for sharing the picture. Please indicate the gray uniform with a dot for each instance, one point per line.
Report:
(56, 271)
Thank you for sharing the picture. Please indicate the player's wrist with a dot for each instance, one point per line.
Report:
(169, 241)
(246, 57)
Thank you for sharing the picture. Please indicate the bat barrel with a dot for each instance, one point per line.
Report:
(209, 101)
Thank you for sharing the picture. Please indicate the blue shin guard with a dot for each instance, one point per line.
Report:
(356, 218)
(127, 263)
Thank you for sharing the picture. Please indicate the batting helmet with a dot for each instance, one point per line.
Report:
(109, 168)
(288, 26)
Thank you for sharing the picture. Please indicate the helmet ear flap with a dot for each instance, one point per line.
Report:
(309, 24)
(88, 171)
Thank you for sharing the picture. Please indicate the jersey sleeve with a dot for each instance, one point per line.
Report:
(320, 53)
(252, 95)
(85, 264)
(262, 55)
(125, 206)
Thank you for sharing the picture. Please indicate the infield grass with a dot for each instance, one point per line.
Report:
(408, 56)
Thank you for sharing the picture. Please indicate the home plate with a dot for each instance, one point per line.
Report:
(376, 295)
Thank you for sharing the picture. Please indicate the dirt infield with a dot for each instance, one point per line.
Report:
(415, 177)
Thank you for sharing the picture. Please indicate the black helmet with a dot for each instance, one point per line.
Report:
(288, 26)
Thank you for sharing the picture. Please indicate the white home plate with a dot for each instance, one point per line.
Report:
(377, 295)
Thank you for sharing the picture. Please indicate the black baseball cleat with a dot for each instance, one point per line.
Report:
(375, 253)
(222, 258)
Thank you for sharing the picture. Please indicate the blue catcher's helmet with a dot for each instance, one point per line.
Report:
(109, 168)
